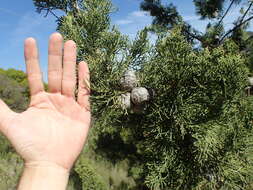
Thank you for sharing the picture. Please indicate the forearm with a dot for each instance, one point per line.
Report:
(41, 176)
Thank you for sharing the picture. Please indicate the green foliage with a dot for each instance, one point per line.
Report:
(91, 172)
(98, 44)
(193, 128)
(163, 15)
(90, 179)
(20, 78)
(196, 133)
(10, 169)
(10, 165)
(63, 5)
(12, 93)
(210, 8)
(248, 51)
(202, 88)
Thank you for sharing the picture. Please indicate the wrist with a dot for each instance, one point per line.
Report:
(43, 175)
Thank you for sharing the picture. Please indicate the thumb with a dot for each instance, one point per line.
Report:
(6, 114)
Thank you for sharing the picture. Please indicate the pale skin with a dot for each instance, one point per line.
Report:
(51, 133)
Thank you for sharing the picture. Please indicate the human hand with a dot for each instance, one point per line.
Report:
(53, 130)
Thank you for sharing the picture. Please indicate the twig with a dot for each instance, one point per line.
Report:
(233, 29)
(53, 14)
(246, 12)
(193, 35)
(232, 2)
(240, 23)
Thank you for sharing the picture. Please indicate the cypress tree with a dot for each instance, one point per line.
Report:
(194, 130)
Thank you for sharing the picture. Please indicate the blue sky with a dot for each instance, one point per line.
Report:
(19, 21)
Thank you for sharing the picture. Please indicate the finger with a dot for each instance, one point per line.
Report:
(55, 63)
(69, 69)
(5, 115)
(32, 67)
(83, 85)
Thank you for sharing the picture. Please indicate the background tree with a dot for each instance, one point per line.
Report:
(215, 11)
(14, 91)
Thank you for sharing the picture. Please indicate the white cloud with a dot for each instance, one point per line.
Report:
(133, 18)
(139, 14)
(123, 22)
(133, 22)
(190, 18)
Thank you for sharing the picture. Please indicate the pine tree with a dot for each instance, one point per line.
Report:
(166, 15)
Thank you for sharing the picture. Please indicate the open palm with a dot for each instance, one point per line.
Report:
(55, 126)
